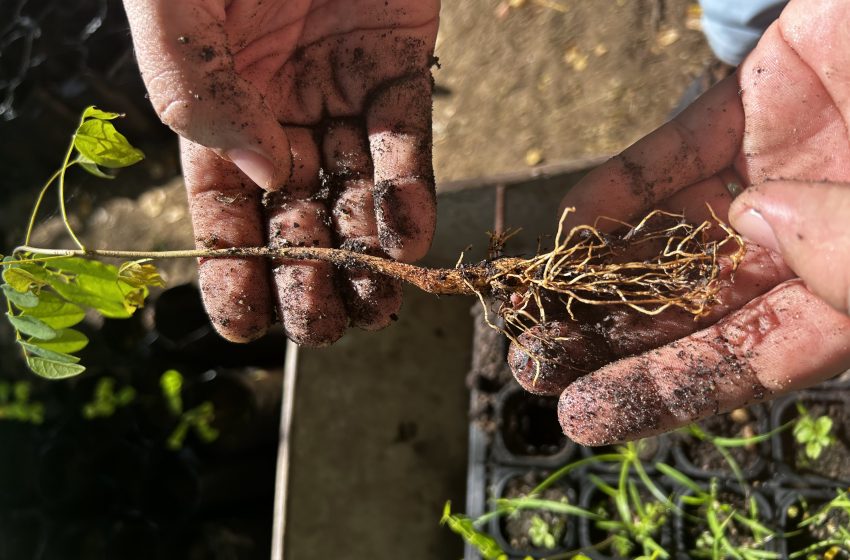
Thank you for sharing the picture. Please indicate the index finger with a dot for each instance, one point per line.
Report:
(695, 145)
(752, 355)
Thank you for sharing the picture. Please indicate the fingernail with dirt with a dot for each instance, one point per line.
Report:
(257, 167)
(752, 225)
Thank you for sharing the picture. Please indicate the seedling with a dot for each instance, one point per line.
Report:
(15, 403)
(639, 522)
(829, 517)
(543, 535)
(720, 519)
(106, 401)
(198, 419)
(585, 266)
(813, 432)
(464, 526)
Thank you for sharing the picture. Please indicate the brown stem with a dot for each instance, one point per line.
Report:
(466, 280)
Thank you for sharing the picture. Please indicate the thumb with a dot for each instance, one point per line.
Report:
(189, 71)
(809, 225)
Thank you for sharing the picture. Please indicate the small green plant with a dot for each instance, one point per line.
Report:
(465, 527)
(640, 510)
(47, 296)
(543, 535)
(105, 401)
(834, 518)
(638, 522)
(720, 519)
(813, 432)
(198, 419)
(15, 403)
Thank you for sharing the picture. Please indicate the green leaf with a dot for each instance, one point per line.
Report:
(93, 112)
(463, 526)
(23, 300)
(97, 285)
(823, 425)
(31, 326)
(48, 354)
(140, 274)
(56, 311)
(92, 168)
(813, 449)
(68, 341)
(803, 432)
(99, 141)
(679, 477)
(20, 279)
(52, 369)
(109, 301)
(80, 265)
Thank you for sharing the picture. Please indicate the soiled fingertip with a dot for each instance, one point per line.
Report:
(406, 211)
(311, 309)
(606, 409)
(562, 353)
(372, 302)
(240, 309)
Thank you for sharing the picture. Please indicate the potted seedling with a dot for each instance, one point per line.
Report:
(631, 523)
(816, 525)
(729, 446)
(720, 521)
(530, 530)
(817, 450)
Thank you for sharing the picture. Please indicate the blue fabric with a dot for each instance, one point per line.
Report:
(733, 27)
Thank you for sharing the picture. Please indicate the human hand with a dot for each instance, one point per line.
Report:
(781, 124)
(301, 123)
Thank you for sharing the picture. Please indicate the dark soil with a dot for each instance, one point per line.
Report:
(529, 425)
(704, 456)
(515, 528)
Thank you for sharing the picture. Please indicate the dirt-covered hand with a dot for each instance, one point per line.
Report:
(783, 116)
(302, 122)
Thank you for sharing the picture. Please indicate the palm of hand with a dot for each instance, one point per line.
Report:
(336, 95)
(783, 116)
